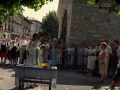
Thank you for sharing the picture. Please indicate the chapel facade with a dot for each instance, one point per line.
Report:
(81, 22)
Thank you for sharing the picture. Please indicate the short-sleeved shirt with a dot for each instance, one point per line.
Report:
(118, 51)
(109, 49)
(70, 50)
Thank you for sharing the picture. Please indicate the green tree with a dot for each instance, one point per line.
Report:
(111, 8)
(10, 7)
(49, 25)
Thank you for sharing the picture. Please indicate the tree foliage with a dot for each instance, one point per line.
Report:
(49, 25)
(112, 8)
(10, 7)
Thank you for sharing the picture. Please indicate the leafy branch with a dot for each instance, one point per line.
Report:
(10, 7)
(112, 8)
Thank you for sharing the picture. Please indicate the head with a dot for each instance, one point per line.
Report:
(54, 46)
(3, 41)
(70, 45)
(99, 43)
(92, 45)
(55, 40)
(58, 43)
(17, 40)
(35, 36)
(23, 37)
(103, 45)
(45, 42)
(116, 43)
(106, 41)
(81, 44)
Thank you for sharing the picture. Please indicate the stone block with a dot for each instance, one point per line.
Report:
(92, 19)
(96, 35)
(87, 18)
(93, 23)
(73, 37)
(107, 20)
(107, 36)
(92, 31)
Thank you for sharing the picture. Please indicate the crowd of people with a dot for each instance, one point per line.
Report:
(100, 55)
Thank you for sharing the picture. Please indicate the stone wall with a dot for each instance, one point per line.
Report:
(87, 23)
(63, 6)
(90, 23)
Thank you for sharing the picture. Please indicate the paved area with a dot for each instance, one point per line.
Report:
(67, 80)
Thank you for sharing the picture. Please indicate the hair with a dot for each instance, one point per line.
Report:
(34, 35)
(116, 41)
(104, 44)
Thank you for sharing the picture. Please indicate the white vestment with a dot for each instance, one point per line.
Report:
(33, 45)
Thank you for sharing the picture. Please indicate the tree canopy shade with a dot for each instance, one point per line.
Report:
(10, 7)
(112, 8)
(49, 25)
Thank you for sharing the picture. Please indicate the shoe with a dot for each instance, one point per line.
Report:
(100, 81)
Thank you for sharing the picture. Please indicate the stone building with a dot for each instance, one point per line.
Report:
(26, 27)
(81, 22)
(16, 26)
(35, 26)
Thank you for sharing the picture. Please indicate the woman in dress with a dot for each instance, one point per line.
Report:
(45, 57)
(91, 59)
(59, 59)
(103, 61)
(54, 54)
(13, 54)
(80, 53)
(70, 56)
(41, 51)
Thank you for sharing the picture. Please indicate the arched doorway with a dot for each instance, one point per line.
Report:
(64, 27)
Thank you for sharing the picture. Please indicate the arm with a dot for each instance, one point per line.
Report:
(58, 51)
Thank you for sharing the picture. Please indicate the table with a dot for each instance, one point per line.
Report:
(35, 74)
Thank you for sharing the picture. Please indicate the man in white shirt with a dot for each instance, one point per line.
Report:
(22, 46)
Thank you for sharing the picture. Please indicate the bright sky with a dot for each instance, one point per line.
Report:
(42, 12)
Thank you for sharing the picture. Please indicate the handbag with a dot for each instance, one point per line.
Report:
(102, 66)
(68, 57)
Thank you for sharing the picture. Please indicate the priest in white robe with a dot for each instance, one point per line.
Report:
(33, 45)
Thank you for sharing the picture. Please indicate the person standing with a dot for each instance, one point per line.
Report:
(91, 58)
(3, 51)
(117, 74)
(103, 61)
(59, 55)
(80, 52)
(51, 46)
(22, 46)
(45, 57)
(70, 56)
(109, 53)
(33, 45)
(54, 55)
